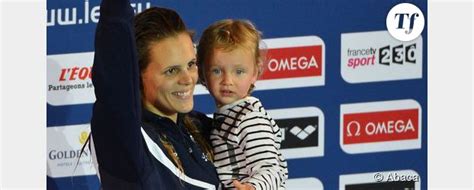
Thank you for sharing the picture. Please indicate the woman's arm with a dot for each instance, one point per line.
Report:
(116, 116)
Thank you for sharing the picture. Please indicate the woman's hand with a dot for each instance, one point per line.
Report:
(242, 186)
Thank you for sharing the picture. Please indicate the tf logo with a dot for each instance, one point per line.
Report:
(405, 22)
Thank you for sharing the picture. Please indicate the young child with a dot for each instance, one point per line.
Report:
(245, 139)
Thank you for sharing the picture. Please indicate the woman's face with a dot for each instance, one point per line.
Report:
(169, 79)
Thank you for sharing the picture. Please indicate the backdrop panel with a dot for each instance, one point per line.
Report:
(352, 100)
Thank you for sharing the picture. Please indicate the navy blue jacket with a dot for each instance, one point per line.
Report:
(126, 138)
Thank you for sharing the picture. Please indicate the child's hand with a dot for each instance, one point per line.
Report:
(244, 186)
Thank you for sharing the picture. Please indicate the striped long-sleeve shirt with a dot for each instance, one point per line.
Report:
(246, 143)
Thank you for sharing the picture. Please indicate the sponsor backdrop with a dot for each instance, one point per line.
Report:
(350, 97)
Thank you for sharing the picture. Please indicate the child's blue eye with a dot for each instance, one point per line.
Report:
(216, 71)
(240, 71)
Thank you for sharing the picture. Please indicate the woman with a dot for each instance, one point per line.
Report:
(144, 77)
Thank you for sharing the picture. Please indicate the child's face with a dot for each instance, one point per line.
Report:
(229, 75)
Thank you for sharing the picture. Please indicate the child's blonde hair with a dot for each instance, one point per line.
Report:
(228, 35)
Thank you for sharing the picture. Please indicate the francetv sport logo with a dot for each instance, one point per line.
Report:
(375, 56)
(380, 126)
(290, 62)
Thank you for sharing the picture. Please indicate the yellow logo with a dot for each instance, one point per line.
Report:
(83, 137)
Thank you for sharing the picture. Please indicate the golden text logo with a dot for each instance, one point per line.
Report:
(65, 156)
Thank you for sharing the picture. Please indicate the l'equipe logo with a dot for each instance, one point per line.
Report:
(69, 79)
(380, 126)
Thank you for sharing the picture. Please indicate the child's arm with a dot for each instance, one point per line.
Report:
(257, 137)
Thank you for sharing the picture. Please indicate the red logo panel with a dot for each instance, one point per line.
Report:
(293, 62)
(380, 126)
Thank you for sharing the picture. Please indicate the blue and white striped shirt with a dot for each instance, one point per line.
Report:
(246, 143)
